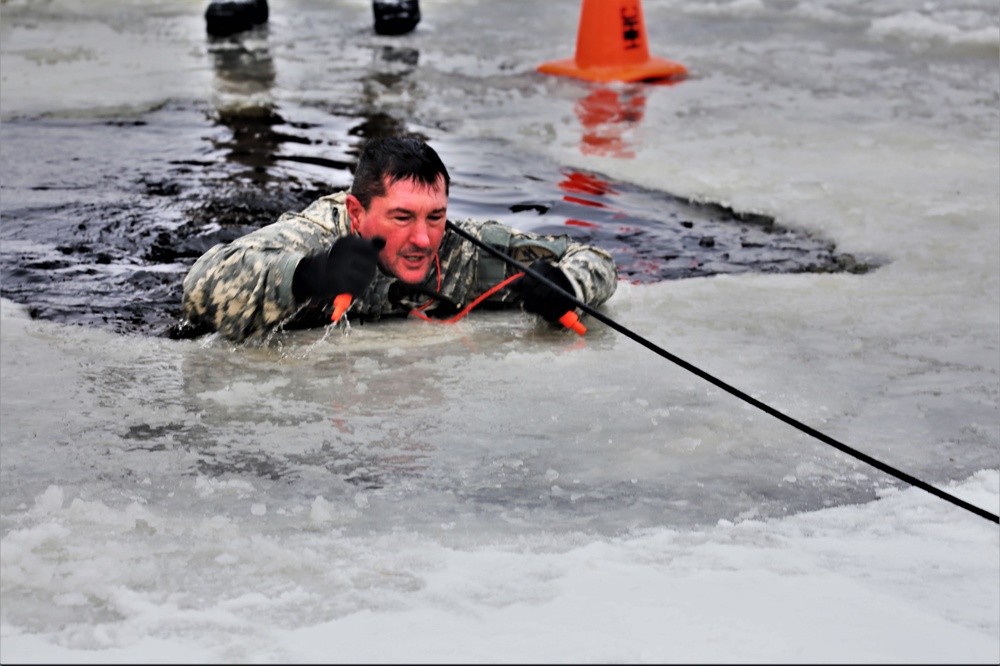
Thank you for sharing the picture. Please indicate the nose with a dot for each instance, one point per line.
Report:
(419, 235)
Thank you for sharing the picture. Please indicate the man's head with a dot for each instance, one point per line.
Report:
(400, 193)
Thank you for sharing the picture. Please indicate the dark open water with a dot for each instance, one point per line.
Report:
(103, 217)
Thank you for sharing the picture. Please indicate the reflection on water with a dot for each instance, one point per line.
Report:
(244, 78)
(406, 423)
(401, 423)
(302, 412)
(390, 67)
(242, 63)
(608, 116)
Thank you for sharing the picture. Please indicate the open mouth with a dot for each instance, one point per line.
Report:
(413, 262)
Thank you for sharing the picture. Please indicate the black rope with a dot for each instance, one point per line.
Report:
(826, 439)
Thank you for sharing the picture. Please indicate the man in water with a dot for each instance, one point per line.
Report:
(387, 245)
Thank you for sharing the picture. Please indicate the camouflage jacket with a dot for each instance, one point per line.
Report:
(244, 288)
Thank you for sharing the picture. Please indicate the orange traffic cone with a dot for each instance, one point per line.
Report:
(611, 46)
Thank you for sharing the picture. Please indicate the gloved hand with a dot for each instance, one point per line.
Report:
(542, 299)
(348, 267)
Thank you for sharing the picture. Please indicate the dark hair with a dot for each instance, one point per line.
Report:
(395, 158)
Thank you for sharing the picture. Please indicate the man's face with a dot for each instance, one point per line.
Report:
(410, 217)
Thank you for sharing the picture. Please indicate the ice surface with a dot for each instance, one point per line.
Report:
(495, 491)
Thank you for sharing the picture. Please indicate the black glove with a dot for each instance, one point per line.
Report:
(348, 267)
(542, 299)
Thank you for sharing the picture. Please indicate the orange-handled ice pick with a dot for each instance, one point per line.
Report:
(340, 304)
(572, 320)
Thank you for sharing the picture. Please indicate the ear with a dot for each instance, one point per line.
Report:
(356, 212)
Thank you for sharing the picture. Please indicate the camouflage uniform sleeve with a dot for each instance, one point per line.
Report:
(244, 289)
(471, 271)
(592, 272)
